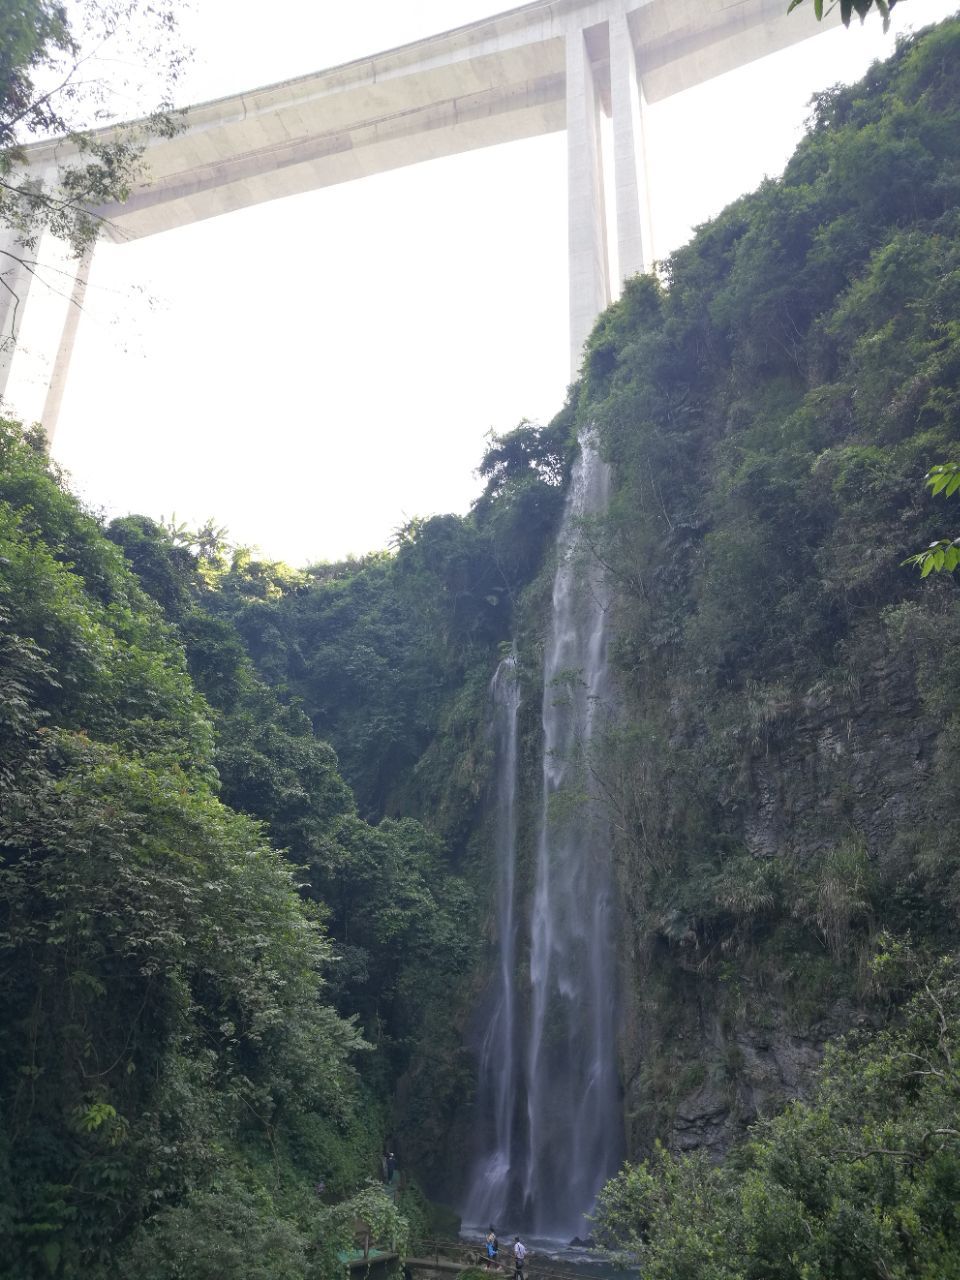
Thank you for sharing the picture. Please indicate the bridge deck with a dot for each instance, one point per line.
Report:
(496, 80)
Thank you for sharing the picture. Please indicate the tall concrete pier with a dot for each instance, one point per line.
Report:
(546, 66)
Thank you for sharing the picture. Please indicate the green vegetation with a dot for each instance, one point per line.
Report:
(779, 781)
(848, 8)
(384, 892)
(199, 1027)
(944, 554)
(245, 810)
(173, 1052)
(390, 655)
(862, 1180)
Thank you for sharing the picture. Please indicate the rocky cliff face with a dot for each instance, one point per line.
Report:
(725, 1025)
(781, 762)
(778, 761)
(853, 763)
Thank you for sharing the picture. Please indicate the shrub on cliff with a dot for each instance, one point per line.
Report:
(862, 1180)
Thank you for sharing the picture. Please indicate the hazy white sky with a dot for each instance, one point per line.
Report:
(315, 371)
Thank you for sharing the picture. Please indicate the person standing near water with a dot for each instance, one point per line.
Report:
(492, 1246)
(519, 1255)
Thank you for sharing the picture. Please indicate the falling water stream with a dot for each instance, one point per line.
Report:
(498, 1075)
(550, 1074)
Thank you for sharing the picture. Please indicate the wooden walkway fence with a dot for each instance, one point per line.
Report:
(456, 1255)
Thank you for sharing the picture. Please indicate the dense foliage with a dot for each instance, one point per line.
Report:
(862, 1180)
(782, 779)
(390, 655)
(770, 405)
(848, 8)
(229, 970)
(185, 1011)
(173, 1052)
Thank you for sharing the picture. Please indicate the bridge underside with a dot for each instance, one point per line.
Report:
(327, 136)
(547, 66)
(498, 80)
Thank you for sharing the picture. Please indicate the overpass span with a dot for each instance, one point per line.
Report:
(537, 69)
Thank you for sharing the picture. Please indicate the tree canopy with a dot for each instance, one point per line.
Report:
(848, 8)
(181, 1042)
(862, 1180)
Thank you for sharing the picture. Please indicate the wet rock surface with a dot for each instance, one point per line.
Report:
(710, 1042)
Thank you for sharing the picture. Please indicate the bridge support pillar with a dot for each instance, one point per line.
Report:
(634, 247)
(16, 281)
(586, 229)
(41, 294)
(68, 335)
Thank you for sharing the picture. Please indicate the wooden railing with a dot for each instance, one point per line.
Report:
(440, 1250)
(448, 1255)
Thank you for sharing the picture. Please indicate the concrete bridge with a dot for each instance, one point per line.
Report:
(546, 66)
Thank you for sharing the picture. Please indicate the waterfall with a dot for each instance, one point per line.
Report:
(490, 1188)
(572, 1089)
(548, 1088)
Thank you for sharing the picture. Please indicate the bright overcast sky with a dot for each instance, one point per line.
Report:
(315, 371)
